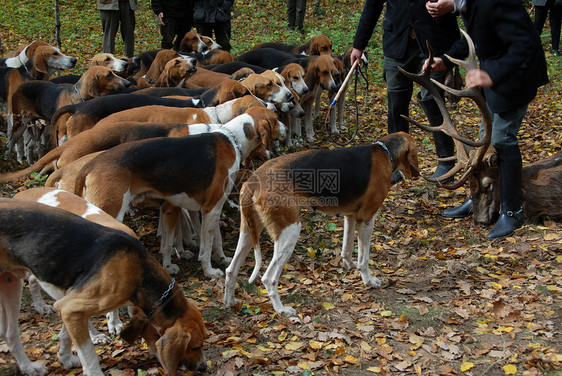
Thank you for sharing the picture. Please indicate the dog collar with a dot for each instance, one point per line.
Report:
(386, 151)
(27, 70)
(164, 296)
(78, 92)
(231, 135)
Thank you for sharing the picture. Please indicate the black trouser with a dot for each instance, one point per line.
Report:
(222, 32)
(110, 20)
(555, 21)
(174, 27)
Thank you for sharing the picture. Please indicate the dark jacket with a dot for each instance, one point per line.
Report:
(211, 11)
(173, 8)
(509, 50)
(400, 16)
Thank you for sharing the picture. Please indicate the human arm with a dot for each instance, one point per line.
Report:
(369, 17)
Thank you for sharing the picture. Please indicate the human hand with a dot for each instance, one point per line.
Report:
(439, 7)
(478, 78)
(438, 65)
(160, 17)
(356, 54)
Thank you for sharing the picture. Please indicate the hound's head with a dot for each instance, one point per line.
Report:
(293, 74)
(404, 153)
(176, 70)
(210, 43)
(47, 59)
(109, 61)
(320, 45)
(181, 343)
(268, 86)
(98, 81)
(324, 72)
(266, 126)
(228, 90)
(192, 42)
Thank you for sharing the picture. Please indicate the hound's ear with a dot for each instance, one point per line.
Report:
(171, 346)
(240, 91)
(42, 62)
(92, 80)
(413, 163)
(264, 131)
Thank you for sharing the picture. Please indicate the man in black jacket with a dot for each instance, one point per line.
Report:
(176, 19)
(214, 15)
(407, 25)
(512, 68)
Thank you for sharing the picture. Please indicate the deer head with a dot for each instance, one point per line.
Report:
(467, 161)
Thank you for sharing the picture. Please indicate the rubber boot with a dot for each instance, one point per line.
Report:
(398, 104)
(462, 211)
(444, 145)
(511, 214)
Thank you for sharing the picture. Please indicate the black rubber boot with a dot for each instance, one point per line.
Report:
(462, 211)
(511, 214)
(398, 104)
(444, 145)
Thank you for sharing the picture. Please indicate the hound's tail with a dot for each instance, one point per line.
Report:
(59, 120)
(42, 164)
(250, 220)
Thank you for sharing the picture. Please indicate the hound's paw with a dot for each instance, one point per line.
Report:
(229, 301)
(43, 308)
(69, 361)
(187, 255)
(287, 311)
(343, 128)
(100, 339)
(213, 273)
(34, 369)
(348, 264)
(115, 326)
(373, 282)
(172, 268)
(223, 261)
(310, 139)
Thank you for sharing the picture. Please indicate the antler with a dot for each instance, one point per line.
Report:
(468, 162)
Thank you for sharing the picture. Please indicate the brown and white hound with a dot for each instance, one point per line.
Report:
(70, 202)
(40, 99)
(109, 61)
(192, 42)
(352, 182)
(318, 45)
(90, 269)
(37, 61)
(194, 172)
(209, 115)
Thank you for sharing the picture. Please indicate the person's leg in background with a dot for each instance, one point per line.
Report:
(300, 12)
(223, 34)
(291, 14)
(167, 32)
(128, 21)
(555, 24)
(110, 25)
(504, 139)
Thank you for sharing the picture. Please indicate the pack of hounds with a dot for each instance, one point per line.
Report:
(177, 131)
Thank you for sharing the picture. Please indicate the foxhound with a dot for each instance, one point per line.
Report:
(352, 182)
(90, 269)
(318, 45)
(194, 172)
(70, 202)
(35, 100)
